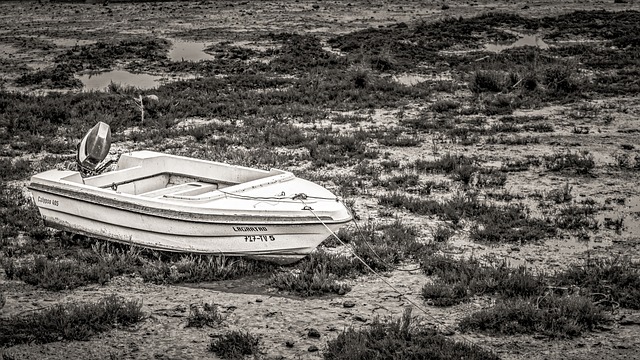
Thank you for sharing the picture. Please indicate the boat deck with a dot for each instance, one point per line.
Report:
(183, 190)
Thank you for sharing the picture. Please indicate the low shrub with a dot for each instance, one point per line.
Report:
(576, 217)
(18, 213)
(71, 321)
(552, 315)
(399, 339)
(381, 248)
(204, 315)
(610, 282)
(458, 280)
(445, 105)
(581, 162)
(315, 275)
(487, 81)
(235, 345)
(511, 224)
(62, 263)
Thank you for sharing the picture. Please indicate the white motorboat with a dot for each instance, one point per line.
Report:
(181, 204)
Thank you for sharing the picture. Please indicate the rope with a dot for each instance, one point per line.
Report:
(364, 239)
(424, 311)
(295, 197)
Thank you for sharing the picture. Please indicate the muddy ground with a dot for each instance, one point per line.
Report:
(34, 34)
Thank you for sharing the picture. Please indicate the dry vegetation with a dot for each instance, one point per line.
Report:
(498, 190)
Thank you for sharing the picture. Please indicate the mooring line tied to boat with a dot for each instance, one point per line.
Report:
(280, 197)
(401, 294)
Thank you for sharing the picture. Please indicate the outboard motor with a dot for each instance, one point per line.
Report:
(94, 148)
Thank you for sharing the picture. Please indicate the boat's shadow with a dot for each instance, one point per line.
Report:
(250, 285)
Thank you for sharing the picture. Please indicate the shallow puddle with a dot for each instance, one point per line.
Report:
(525, 40)
(68, 42)
(630, 215)
(99, 82)
(414, 79)
(183, 50)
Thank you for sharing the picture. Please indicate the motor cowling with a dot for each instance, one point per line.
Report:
(94, 147)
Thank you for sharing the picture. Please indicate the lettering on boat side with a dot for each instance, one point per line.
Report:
(250, 228)
(259, 238)
(47, 201)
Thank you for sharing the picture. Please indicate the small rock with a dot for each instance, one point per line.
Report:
(258, 300)
(289, 343)
(312, 348)
(604, 327)
(348, 304)
(360, 318)
(313, 333)
(633, 319)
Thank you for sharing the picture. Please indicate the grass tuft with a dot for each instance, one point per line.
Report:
(72, 321)
(399, 339)
(235, 345)
(204, 315)
(552, 315)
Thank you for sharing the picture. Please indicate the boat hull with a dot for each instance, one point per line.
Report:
(277, 230)
(276, 242)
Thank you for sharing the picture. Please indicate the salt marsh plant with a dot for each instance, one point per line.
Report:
(582, 162)
(403, 338)
(206, 314)
(70, 321)
(235, 345)
(60, 263)
(315, 275)
(459, 280)
(487, 81)
(552, 315)
(382, 247)
(611, 282)
(577, 217)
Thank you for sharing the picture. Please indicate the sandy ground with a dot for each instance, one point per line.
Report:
(279, 319)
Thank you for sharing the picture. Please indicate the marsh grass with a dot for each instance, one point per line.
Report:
(582, 162)
(235, 345)
(70, 321)
(383, 247)
(512, 140)
(577, 217)
(445, 106)
(611, 281)
(18, 214)
(459, 280)
(493, 223)
(511, 224)
(487, 81)
(58, 77)
(551, 315)
(66, 263)
(402, 181)
(206, 314)
(399, 339)
(459, 167)
(103, 55)
(315, 275)
(560, 305)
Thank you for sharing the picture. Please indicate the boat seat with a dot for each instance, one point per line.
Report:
(188, 189)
